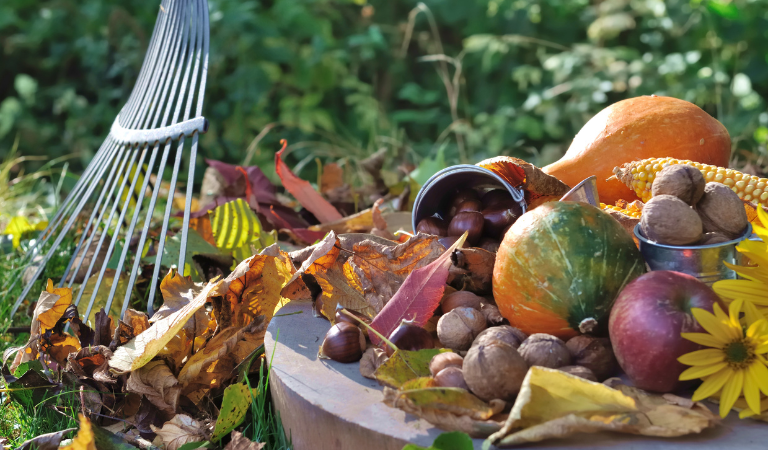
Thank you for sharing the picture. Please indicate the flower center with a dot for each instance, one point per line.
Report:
(739, 353)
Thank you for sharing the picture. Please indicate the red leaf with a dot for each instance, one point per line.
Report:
(304, 192)
(417, 298)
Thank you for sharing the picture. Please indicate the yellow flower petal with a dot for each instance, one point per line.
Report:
(752, 392)
(762, 215)
(703, 339)
(762, 348)
(734, 311)
(757, 329)
(744, 413)
(712, 384)
(731, 392)
(703, 357)
(751, 313)
(710, 323)
(725, 320)
(701, 371)
(749, 290)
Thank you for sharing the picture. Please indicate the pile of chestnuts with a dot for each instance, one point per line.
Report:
(484, 215)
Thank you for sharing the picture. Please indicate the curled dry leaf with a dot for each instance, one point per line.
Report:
(91, 362)
(381, 269)
(554, 404)
(417, 298)
(180, 430)
(304, 192)
(156, 382)
(472, 270)
(340, 287)
(322, 257)
(361, 222)
(478, 428)
(240, 442)
(178, 291)
(372, 359)
(48, 441)
(538, 186)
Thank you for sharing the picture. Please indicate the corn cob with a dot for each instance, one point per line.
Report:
(639, 176)
(631, 212)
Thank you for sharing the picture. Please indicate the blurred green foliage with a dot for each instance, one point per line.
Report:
(340, 79)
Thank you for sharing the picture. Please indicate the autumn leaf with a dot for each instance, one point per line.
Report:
(48, 441)
(331, 178)
(417, 298)
(84, 439)
(340, 287)
(51, 305)
(304, 192)
(237, 178)
(59, 346)
(236, 228)
(554, 404)
(451, 400)
(180, 430)
(100, 300)
(156, 382)
(405, 365)
(361, 222)
(240, 442)
(140, 350)
(234, 406)
(538, 186)
(178, 291)
(382, 269)
(257, 293)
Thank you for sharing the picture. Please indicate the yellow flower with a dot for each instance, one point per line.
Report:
(754, 288)
(736, 362)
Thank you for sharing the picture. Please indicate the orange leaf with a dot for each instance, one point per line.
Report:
(51, 305)
(304, 192)
(85, 440)
(332, 177)
(522, 174)
(59, 346)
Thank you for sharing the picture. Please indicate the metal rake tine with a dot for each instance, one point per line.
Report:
(87, 227)
(120, 220)
(164, 230)
(58, 240)
(143, 238)
(169, 68)
(182, 67)
(130, 156)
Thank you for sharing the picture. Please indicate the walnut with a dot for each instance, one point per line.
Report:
(579, 371)
(504, 333)
(545, 350)
(494, 371)
(713, 237)
(722, 210)
(451, 377)
(683, 181)
(457, 329)
(443, 360)
(593, 353)
(669, 220)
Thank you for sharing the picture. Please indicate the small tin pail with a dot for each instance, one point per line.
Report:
(435, 196)
(705, 262)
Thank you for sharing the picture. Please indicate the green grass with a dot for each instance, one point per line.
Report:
(19, 423)
(265, 424)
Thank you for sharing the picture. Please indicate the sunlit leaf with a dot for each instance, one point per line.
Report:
(236, 228)
(234, 406)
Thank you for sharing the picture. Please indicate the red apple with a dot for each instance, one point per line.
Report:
(646, 322)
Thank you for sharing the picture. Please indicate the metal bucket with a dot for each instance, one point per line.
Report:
(435, 196)
(704, 262)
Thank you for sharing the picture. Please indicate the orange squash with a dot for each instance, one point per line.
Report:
(640, 128)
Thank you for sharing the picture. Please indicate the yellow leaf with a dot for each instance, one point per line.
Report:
(236, 228)
(51, 305)
(85, 439)
(17, 227)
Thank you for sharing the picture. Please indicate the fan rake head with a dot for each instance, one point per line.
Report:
(116, 198)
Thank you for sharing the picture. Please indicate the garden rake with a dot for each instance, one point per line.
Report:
(125, 179)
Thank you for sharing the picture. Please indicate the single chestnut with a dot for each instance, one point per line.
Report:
(469, 221)
(495, 196)
(344, 343)
(462, 195)
(443, 360)
(409, 336)
(469, 205)
(460, 299)
(432, 225)
(452, 377)
(498, 217)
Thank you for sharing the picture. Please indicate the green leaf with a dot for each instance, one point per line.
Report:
(726, 9)
(196, 245)
(234, 406)
(106, 440)
(237, 228)
(429, 167)
(195, 445)
(406, 365)
(454, 440)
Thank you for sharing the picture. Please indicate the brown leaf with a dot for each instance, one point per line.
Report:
(203, 227)
(538, 186)
(472, 270)
(138, 320)
(361, 222)
(156, 382)
(381, 269)
(104, 328)
(371, 360)
(340, 287)
(49, 441)
(240, 442)
(59, 346)
(178, 291)
(445, 420)
(417, 298)
(213, 365)
(331, 178)
(91, 362)
(180, 430)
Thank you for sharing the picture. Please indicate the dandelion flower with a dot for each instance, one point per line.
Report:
(735, 363)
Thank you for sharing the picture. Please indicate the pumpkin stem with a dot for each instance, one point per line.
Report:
(587, 325)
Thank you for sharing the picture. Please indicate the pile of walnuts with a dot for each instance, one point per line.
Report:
(686, 210)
